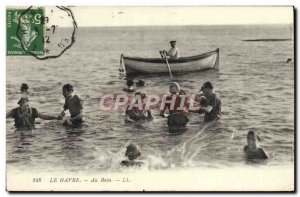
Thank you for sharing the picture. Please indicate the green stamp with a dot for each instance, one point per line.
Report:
(25, 31)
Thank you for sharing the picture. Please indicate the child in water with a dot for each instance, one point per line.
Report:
(134, 113)
(74, 104)
(132, 153)
(24, 87)
(24, 90)
(207, 90)
(130, 86)
(252, 150)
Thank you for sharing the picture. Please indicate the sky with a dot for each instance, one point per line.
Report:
(156, 16)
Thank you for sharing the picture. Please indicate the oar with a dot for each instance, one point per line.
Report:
(164, 56)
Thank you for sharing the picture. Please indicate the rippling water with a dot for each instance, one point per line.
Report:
(255, 83)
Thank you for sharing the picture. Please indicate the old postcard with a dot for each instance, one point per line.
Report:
(150, 98)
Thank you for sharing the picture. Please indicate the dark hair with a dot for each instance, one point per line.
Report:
(251, 132)
(130, 82)
(24, 87)
(254, 134)
(132, 150)
(207, 84)
(68, 87)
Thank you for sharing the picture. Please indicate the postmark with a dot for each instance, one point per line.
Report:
(43, 33)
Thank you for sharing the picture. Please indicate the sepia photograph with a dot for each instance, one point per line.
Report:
(150, 99)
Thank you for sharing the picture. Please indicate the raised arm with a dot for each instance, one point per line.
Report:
(47, 117)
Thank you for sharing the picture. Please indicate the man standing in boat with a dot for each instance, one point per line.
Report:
(173, 53)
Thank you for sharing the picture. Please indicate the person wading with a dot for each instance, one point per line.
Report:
(177, 118)
(214, 101)
(25, 116)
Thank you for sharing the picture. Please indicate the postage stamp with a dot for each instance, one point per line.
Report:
(40, 32)
(25, 31)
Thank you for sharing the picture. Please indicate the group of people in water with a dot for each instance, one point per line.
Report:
(252, 151)
(210, 106)
(24, 115)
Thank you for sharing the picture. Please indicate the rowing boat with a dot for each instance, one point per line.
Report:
(136, 65)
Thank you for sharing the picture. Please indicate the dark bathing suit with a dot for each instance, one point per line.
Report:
(215, 113)
(24, 120)
(135, 113)
(74, 104)
(177, 118)
(258, 154)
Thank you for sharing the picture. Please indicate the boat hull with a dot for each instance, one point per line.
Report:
(201, 62)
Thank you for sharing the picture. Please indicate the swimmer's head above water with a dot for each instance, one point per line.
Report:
(253, 150)
(129, 83)
(24, 104)
(67, 90)
(252, 139)
(132, 152)
(207, 88)
(24, 87)
(174, 88)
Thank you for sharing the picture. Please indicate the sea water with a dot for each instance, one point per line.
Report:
(254, 82)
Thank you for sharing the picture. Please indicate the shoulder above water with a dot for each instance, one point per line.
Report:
(259, 153)
(129, 163)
